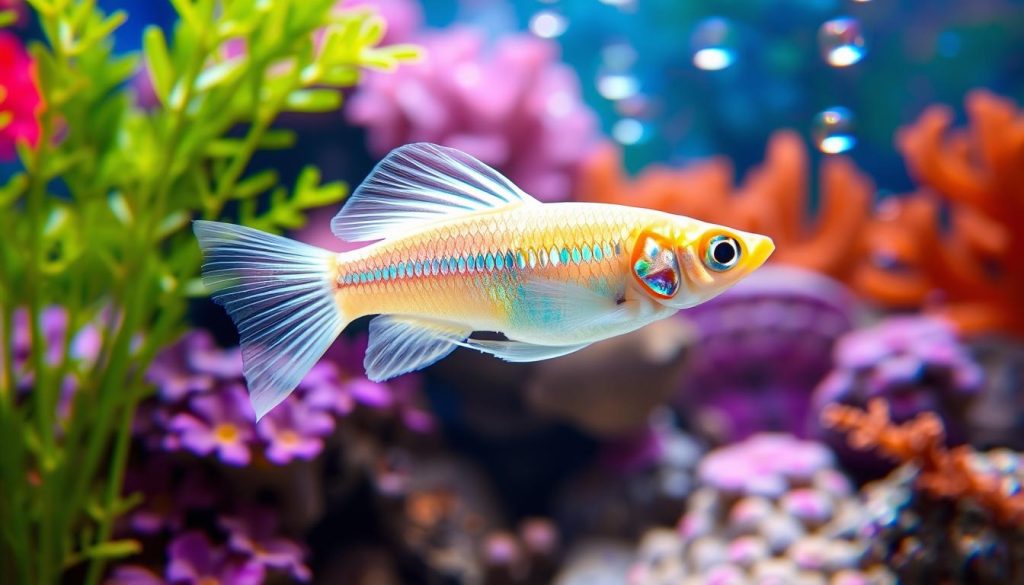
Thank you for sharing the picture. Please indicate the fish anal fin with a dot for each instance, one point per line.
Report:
(400, 344)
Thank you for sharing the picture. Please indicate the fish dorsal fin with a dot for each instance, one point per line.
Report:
(418, 183)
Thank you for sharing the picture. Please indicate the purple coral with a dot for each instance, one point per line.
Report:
(761, 349)
(510, 104)
(916, 364)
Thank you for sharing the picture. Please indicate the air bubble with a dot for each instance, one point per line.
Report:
(714, 44)
(842, 42)
(833, 130)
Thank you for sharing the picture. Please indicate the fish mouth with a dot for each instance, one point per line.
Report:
(762, 248)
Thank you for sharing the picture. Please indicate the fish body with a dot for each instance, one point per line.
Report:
(461, 249)
(478, 269)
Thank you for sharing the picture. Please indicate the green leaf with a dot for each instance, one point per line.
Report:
(100, 32)
(372, 30)
(188, 13)
(340, 76)
(256, 184)
(158, 61)
(221, 73)
(172, 223)
(115, 549)
(325, 195)
(120, 208)
(313, 101)
(10, 192)
(7, 18)
(404, 52)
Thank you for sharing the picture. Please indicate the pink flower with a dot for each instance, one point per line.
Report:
(20, 102)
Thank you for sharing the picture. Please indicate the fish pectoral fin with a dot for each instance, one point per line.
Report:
(418, 183)
(399, 345)
(576, 307)
(519, 351)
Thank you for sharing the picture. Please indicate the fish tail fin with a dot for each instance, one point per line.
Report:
(281, 295)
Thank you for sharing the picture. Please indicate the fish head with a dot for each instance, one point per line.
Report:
(685, 262)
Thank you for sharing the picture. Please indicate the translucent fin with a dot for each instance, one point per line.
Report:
(417, 183)
(280, 295)
(576, 307)
(518, 351)
(399, 345)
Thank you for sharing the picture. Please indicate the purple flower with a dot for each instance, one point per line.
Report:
(174, 372)
(195, 561)
(220, 422)
(255, 535)
(323, 389)
(294, 430)
(510, 103)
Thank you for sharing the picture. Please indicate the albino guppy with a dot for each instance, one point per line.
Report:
(462, 249)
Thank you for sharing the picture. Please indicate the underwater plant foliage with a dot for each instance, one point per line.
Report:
(96, 221)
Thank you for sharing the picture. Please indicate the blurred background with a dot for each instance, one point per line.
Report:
(851, 413)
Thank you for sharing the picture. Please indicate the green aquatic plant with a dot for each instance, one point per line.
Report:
(97, 222)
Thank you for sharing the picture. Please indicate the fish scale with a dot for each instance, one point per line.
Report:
(487, 295)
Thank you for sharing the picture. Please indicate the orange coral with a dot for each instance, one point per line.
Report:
(944, 473)
(774, 199)
(976, 263)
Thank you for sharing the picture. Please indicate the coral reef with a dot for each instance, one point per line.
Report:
(774, 199)
(510, 103)
(946, 515)
(915, 363)
(943, 473)
(20, 101)
(771, 509)
(760, 350)
(975, 264)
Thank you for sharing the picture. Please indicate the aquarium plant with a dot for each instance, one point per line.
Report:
(98, 262)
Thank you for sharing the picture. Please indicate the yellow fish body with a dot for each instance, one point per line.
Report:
(461, 249)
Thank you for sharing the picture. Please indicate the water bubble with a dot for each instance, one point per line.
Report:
(548, 24)
(842, 42)
(629, 131)
(833, 130)
(714, 44)
(618, 56)
(617, 86)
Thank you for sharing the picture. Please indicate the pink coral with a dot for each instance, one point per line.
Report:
(512, 105)
(20, 101)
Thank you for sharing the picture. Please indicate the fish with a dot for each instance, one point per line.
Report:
(456, 249)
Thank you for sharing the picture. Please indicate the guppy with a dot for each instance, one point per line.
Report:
(461, 249)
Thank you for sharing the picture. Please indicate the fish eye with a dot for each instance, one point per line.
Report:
(723, 252)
